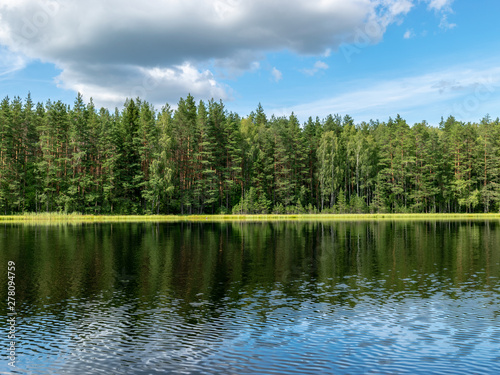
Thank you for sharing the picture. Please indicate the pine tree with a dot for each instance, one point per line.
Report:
(109, 143)
(329, 169)
(159, 185)
(368, 163)
(260, 156)
(29, 142)
(146, 142)
(234, 157)
(184, 129)
(81, 153)
(6, 151)
(312, 136)
(54, 164)
(395, 160)
(130, 173)
(488, 159)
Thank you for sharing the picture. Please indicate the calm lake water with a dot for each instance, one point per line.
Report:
(254, 298)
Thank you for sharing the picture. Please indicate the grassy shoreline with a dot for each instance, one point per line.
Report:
(80, 218)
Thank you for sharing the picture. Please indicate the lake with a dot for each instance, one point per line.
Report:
(387, 297)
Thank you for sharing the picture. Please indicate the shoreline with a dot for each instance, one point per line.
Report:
(81, 218)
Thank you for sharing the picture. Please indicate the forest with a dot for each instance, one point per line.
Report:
(203, 159)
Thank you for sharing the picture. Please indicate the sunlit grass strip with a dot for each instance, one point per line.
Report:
(76, 217)
(80, 218)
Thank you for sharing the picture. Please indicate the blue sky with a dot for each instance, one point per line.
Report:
(371, 59)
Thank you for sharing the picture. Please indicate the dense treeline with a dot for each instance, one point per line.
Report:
(200, 158)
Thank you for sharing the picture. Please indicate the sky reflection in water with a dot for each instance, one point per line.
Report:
(268, 298)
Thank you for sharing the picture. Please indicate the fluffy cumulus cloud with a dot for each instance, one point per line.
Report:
(111, 49)
(154, 84)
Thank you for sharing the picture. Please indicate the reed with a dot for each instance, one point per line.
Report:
(81, 218)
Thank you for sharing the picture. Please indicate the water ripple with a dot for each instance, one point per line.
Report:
(334, 314)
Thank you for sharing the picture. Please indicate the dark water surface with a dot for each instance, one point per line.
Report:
(260, 298)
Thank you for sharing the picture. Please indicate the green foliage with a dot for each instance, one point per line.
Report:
(203, 159)
(252, 203)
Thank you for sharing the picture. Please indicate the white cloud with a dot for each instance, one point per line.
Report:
(10, 62)
(443, 7)
(408, 34)
(238, 64)
(445, 25)
(108, 47)
(277, 75)
(390, 11)
(440, 5)
(398, 7)
(175, 31)
(459, 87)
(159, 85)
(318, 66)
